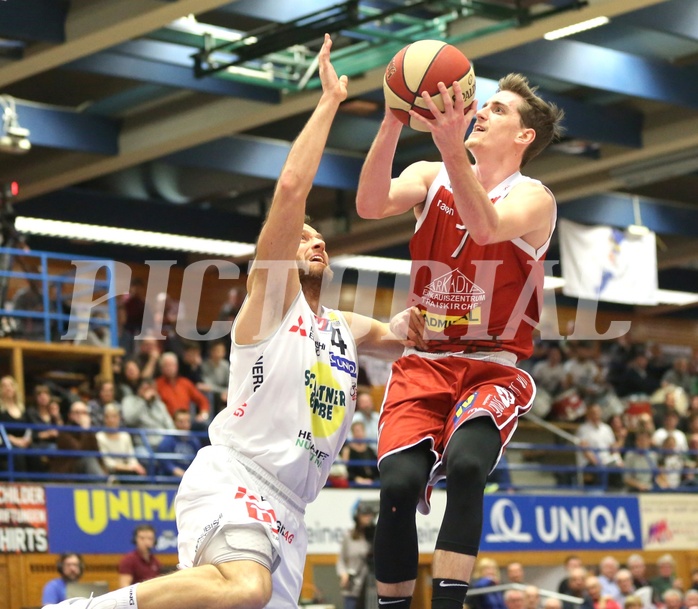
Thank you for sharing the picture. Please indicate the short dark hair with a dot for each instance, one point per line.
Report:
(543, 117)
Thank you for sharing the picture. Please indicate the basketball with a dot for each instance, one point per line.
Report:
(419, 67)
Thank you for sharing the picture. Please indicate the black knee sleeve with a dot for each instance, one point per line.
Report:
(403, 477)
(472, 453)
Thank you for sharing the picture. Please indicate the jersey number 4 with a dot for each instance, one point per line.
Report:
(337, 340)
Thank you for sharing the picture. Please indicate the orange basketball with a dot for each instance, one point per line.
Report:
(419, 67)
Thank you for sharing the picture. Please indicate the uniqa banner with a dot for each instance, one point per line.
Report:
(579, 522)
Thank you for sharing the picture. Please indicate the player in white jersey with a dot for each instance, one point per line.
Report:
(292, 393)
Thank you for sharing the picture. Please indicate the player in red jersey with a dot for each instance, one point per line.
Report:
(477, 276)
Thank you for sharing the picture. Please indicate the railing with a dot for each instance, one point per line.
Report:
(151, 459)
(38, 275)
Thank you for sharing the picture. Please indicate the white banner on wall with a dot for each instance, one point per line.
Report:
(329, 517)
(605, 263)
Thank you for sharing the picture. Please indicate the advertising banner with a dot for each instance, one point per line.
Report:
(669, 521)
(22, 518)
(604, 263)
(100, 520)
(579, 522)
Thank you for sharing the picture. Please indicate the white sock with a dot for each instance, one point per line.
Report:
(124, 598)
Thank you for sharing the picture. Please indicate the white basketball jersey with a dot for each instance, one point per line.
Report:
(291, 398)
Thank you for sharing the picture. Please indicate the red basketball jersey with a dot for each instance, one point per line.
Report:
(474, 297)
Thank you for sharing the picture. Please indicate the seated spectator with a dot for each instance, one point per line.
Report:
(29, 298)
(679, 375)
(12, 410)
(184, 446)
(598, 599)
(583, 374)
(576, 584)
(552, 603)
(571, 562)
(532, 594)
(179, 393)
(633, 601)
(601, 450)
(608, 567)
(366, 414)
(103, 395)
(140, 564)
(360, 457)
(640, 464)
(671, 467)
(642, 422)
(690, 599)
(670, 428)
(70, 567)
(45, 411)
(634, 379)
(515, 573)
(135, 317)
(190, 364)
(624, 581)
(77, 440)
(549, 373)
(486, 574)
(145, 410)
(216, 373)
(638, 569)
(116, 446)
(665, 572)
(672, 599)
(127, 379)
(515, 599)
(148, 352)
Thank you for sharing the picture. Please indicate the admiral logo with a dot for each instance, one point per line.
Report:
(344, 365)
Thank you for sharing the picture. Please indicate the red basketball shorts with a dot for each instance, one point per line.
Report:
(428, 399)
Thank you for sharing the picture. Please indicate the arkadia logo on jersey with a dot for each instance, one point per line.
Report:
(562, 523)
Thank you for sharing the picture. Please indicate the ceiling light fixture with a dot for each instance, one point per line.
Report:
(582, 26)
(137, 238)
(13, 138)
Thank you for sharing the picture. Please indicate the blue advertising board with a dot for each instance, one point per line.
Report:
(100, 520)
(579, 522)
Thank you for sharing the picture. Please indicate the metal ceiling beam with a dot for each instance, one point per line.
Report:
(264, 158)
(592, 66)
(116, 64)
(198, 121)
(616, 209)
(34, 20)
(69, 130)
(662, 136)
(273, 10)
(99, 25)
(78, 205)
(678, 17)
